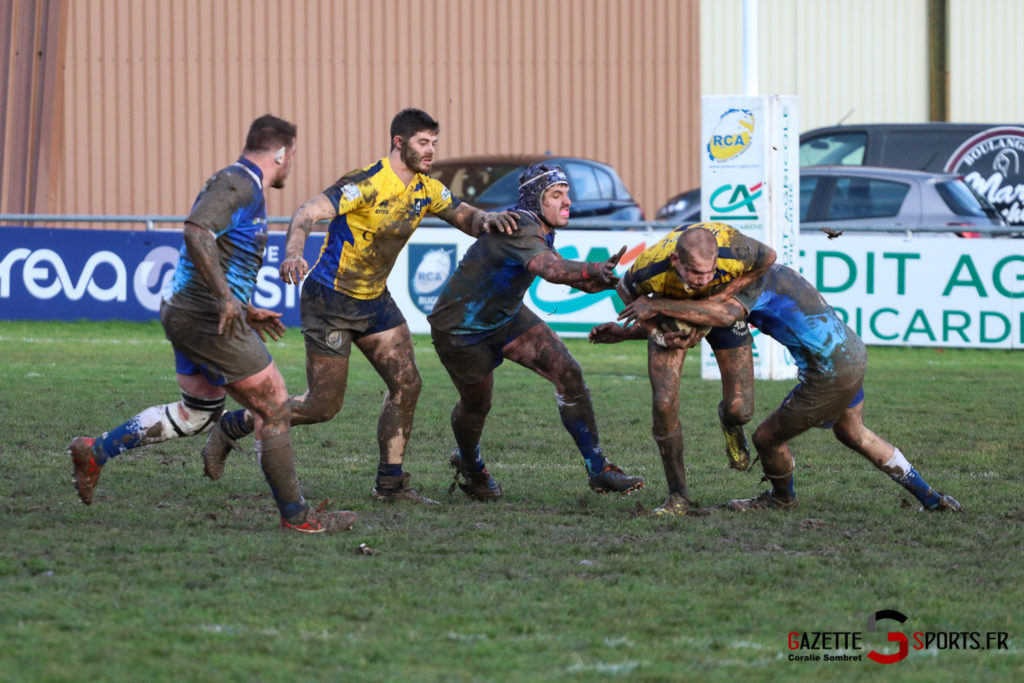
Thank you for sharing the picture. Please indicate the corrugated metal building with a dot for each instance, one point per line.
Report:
(126, 106)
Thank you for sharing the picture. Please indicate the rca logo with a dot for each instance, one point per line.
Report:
(731, 135)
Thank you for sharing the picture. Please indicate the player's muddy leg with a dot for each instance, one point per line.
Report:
(469, 415)
(776, 459)
(851, 431)
(737, 407)
(664, 369)
(326, 377)
(542, 351)
(771, 441)
(392, 356)
(326, 381)
(264, 395)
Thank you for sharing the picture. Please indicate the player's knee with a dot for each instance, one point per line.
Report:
(666, 409)
(406, 385)
(851, 438)
(193, 415)
(736, 412)
(316, 412)
(763, 440)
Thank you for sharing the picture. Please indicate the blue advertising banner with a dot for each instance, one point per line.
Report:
(900, 291)
(66, 274)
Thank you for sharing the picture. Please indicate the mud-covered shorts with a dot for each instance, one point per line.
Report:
(199, 349)
(819, 400)
(331, 320)
(469, 358)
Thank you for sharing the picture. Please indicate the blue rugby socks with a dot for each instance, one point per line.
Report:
(234, 425)
(473, 463)
(904, 474)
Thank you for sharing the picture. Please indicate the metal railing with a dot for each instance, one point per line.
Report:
(150, 222)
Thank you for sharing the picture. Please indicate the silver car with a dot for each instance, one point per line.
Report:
(867, 198)
(852, 197)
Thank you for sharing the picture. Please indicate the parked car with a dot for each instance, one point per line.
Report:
(492, 182)
(920, 146)
(851, 197)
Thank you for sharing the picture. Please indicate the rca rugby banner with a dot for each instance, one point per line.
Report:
(896, 291)
(750, 179)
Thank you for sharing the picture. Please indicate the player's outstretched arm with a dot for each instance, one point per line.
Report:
(715, 312)
(474, 222)
(294, 267)
(612, 333)
(588, 276)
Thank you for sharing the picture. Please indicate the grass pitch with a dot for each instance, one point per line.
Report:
(168, 576)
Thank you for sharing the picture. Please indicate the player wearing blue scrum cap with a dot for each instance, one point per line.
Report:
(479, 320)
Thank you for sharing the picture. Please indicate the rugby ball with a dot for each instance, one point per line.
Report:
(667, 323)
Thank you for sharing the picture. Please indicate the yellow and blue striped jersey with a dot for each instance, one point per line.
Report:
(376, 215)
(652, 272)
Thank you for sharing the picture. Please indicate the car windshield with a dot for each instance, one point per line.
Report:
(471, 182)
(845, 149)
(964, 201)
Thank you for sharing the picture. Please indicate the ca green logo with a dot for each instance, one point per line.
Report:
(892, 636)
(735, 202)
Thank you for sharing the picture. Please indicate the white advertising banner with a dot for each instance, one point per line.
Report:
(750, 179)
(894, 291)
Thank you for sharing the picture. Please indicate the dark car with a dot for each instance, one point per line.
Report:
(921, 146)
(492, 182)
(852, 197)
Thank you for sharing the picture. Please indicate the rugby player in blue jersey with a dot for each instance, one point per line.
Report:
(832, 361)
(345, 302)
(217, 334)
(479, 320)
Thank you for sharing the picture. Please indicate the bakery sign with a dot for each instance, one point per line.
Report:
(992, 162)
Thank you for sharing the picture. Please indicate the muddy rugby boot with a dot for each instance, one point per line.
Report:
(216, 450)
(675, 505)
(766, 501)
(613, 479)
(397, 490)
(736, 448)
(946, 503)
(479, 485)
(86, 472)
(320, 521)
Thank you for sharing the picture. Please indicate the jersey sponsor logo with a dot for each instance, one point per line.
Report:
(350, 192)
(992, 162)
(430, 266)
(732, 134)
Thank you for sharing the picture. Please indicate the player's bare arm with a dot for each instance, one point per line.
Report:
(202, 249)
(588, 276)
(706, 312)
(474, 222)
(294, 267)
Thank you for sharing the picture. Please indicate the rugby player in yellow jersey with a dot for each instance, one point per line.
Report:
(671, 270)
(373, 212)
